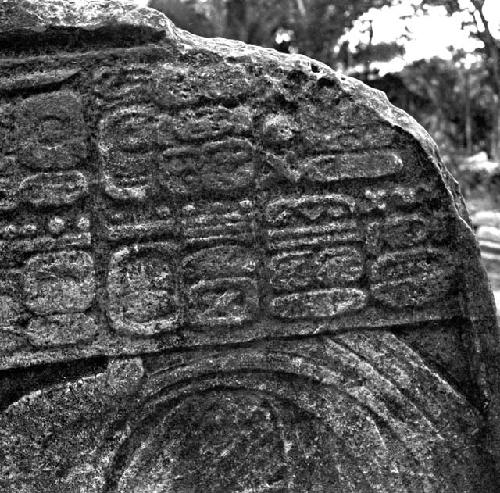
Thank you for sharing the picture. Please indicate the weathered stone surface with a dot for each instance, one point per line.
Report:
(306, 268)
(412, 277)
(323, 303)
(59, 282)
(231, 301)
(269, 259)
(335, 167)
(53, 189)
(34, 421)
(26, 15)
(52, 133)
(59, 330)
(143, 292)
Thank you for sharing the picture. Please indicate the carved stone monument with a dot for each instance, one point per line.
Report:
(224, 269)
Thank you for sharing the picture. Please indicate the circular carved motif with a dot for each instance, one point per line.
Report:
(259, 421)
(230, 440)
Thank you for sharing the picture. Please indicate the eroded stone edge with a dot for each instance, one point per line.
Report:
(33, 16)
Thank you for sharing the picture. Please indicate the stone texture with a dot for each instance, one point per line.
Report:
(51, 130)
(143, 293)
(224, 269)
(41, 16)
(59, 282)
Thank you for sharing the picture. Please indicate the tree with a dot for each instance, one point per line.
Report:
(186, 15)
(255, 22)
(456, 102)
(321, 24)
(315, 25)
(481, 29)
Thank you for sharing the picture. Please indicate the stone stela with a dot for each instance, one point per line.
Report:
(267, 262)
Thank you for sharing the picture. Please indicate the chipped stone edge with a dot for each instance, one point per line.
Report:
(37, 17)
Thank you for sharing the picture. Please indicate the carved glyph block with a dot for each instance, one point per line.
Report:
(60, 282)
(52, 132)
(143, 295)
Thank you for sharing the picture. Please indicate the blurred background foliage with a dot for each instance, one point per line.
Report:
(310, 27)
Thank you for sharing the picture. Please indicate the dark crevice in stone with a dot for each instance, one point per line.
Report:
(17, 382)
(53, 39)
(265, 342)
(36, 88)
(439, 352)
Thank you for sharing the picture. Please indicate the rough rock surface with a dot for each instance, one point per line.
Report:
(224, 269)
